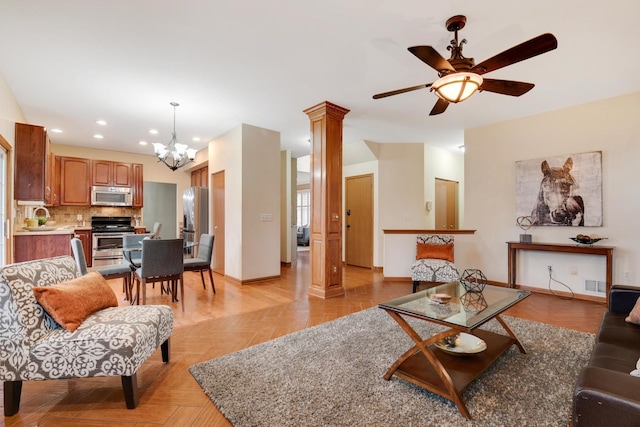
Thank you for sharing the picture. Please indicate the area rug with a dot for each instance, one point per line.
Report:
(331, 375)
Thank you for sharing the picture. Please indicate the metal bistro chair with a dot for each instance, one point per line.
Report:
(161, 261)
(114, 271)
(202, 262)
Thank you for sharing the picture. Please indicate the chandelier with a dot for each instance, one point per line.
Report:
(174, 155)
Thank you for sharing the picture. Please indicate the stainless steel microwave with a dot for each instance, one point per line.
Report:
(110, 196)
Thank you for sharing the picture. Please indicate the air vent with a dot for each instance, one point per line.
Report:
(595, 286)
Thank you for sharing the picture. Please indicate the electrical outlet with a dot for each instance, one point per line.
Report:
(549, 268)
(574, 270)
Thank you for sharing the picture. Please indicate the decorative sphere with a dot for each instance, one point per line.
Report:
(473, 280)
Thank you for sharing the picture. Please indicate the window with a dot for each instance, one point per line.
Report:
(304, 208)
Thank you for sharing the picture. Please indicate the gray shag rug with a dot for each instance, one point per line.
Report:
(331, 375)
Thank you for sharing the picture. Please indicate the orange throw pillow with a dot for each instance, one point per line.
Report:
(69, 303)
(427, 251)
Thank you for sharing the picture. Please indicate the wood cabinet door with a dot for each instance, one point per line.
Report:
(121, 174)
(85, 238)
(75, 177)
(30, 159)
(137, 196)
(54, 179)
(101, 172)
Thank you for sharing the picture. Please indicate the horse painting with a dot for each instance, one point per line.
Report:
(556, 205)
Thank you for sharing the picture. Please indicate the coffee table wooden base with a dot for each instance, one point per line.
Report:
(446, 375)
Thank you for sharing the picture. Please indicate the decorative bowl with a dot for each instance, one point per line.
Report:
(461, 344)
(586, 240)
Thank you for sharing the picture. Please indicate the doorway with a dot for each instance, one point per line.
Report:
(217, 221)
(160, 205)
(446, 204)
(359, 221)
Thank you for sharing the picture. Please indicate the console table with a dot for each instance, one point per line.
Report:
(514, 247)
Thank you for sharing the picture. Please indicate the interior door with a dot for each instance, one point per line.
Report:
(5, 220)
(446, 204)
(217, 221)
(359, 221)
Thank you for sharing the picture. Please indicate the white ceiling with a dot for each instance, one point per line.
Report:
(262, 62)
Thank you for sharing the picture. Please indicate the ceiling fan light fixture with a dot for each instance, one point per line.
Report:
(456, 87)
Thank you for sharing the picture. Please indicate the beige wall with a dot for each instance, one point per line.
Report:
(10, 112)
(610, 126)
(442, 164)
(250, 158)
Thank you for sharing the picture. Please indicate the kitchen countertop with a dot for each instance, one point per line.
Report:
(59, 230)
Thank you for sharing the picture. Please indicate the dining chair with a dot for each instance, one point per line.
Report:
(161, 261)
(202, 262)
(113, 271)
(155, 233)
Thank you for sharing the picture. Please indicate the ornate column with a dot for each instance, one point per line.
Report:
(325, 242)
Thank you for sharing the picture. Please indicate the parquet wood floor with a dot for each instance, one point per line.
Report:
(238, 316)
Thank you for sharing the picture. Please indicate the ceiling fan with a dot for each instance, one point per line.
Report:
(460, 77)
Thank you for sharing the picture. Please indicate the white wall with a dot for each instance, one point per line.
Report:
(610, 126)
(261, 196)
(401, 185)
(443, 164)
(250, 158)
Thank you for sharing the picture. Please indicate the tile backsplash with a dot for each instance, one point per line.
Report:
(68, 214)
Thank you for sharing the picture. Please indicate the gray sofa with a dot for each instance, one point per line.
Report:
(113, 341)
(605, 393)
(303, 236)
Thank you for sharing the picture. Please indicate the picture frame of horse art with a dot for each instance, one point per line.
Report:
(563, 190)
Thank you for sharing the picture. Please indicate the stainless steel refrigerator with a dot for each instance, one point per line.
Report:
(195, 204)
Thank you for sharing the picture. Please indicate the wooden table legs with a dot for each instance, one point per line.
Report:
(444, 374)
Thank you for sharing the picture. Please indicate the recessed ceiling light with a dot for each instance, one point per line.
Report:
(196, 139)
(56, 130)
(98, 136)
(101, 122)
(153, 131)
(142, 142)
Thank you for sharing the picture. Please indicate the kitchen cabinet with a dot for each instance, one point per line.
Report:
(32, 176)
(41, 245)
(110, 174)
(75, 174)
(137, 185)
(54, 179)
(85, 237)
(200, 177)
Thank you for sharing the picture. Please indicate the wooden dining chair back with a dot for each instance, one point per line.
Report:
(113, 271)
(162, 260)
(202, 262)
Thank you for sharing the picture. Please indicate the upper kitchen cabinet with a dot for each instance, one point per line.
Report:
(137, 195)
(200, 177)
(110, 174)
(75, 174)
(32, 176)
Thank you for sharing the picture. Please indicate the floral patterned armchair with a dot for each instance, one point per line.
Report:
(434, 260)
(112, 341)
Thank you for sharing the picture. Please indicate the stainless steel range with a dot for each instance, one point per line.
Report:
(107, 234)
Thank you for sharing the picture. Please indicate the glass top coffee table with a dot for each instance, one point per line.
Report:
(447, 362)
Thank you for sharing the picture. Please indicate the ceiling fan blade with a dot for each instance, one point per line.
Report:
(506, 87)
(536, 46)
(439, 108)
(399, 91)
(432, 58)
